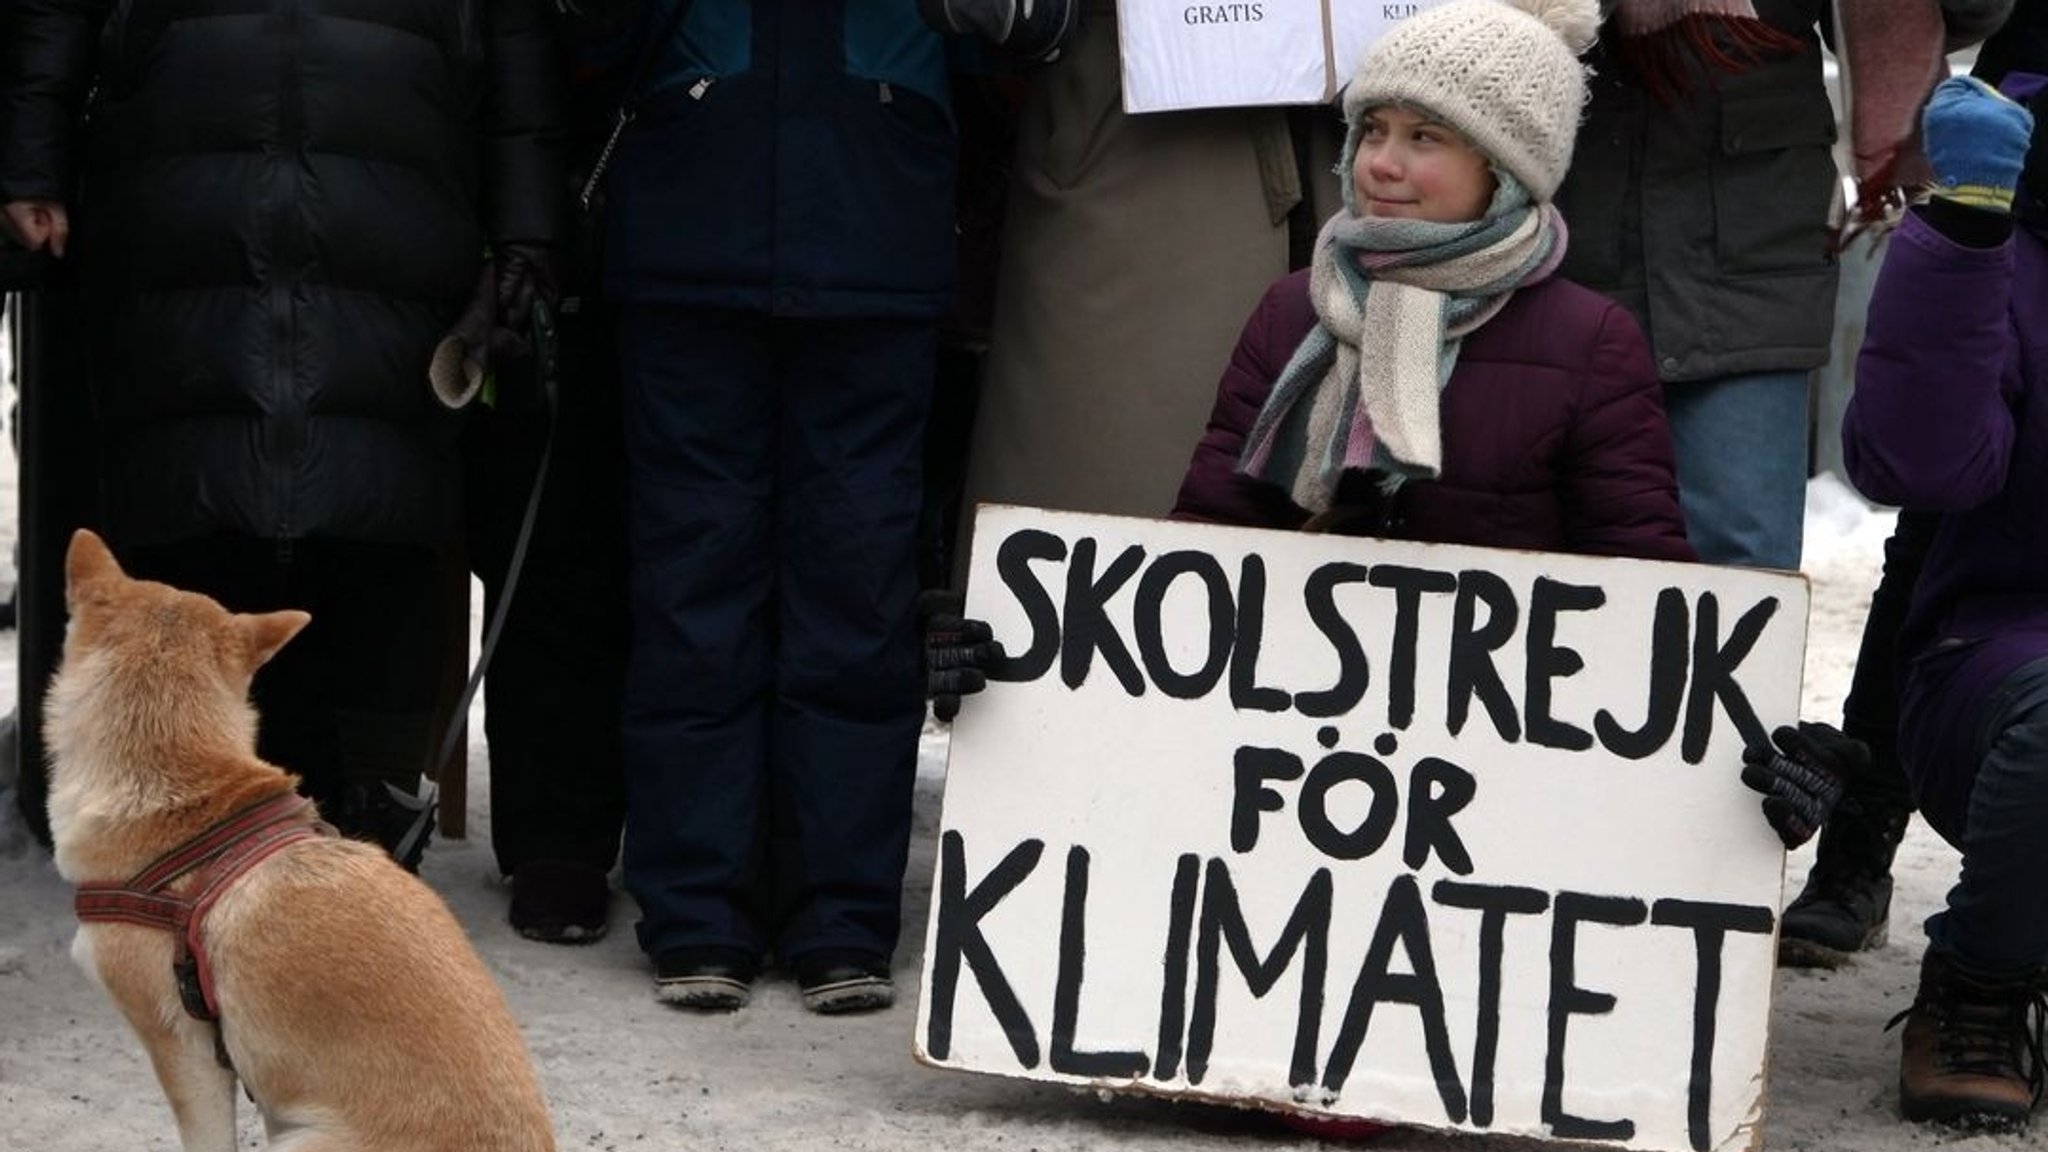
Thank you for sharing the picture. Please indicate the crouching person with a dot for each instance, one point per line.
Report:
(1951, 413)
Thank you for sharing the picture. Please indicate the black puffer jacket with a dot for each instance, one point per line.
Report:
(279, 208)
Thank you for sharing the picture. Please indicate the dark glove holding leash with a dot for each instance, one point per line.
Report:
(492, 331)
(957, 651)
(1803, 776)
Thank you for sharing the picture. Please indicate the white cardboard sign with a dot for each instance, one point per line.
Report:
(1440, 835)
(1178, 54)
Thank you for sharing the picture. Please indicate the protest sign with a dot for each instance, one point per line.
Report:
(1201, 55)
(1440, 835)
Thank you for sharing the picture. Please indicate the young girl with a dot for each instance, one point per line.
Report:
(1428, 377)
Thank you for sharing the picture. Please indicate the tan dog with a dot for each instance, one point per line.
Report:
(349, 1000)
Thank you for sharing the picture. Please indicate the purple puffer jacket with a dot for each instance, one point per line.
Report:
(1950, 414)
(1554, 434)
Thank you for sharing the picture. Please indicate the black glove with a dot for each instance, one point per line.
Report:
(957, 650)
(1803, 777)
(492, 332)
(526, 272)
(1033, 31)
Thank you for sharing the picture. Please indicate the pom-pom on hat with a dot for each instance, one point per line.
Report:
(1505, 73)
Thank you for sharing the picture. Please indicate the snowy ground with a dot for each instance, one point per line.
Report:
(625, 1073)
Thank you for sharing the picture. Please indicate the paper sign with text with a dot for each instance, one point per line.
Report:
(1201, 55)
(1441, 835)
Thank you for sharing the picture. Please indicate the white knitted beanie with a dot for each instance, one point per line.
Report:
(1503, 72)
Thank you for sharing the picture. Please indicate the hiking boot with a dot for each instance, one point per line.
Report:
(1971, 1054)
(560, 902)
(706, 978)
(837, 981)
(1833, 918)
(1845, 907)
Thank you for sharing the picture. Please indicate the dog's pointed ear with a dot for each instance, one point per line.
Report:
(264, 634)
(87, 563)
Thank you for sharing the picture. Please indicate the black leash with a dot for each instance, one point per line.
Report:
(546, 364)
(546, 355)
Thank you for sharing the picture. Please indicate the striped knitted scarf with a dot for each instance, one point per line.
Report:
(1393, 301)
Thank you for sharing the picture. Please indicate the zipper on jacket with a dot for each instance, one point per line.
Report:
(287, 432)
(702, 86)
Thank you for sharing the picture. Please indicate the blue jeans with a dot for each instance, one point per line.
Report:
(1996, 921)
(1741, 448)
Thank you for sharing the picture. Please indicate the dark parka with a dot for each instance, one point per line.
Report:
(1553, 429)
(829, 188)
(278, 207)
(1950, 414)
(1708, 215)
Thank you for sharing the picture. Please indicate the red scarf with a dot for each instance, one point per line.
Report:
(1664, 40)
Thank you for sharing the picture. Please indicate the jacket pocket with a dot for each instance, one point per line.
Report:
(884, 223)
(1773, 182)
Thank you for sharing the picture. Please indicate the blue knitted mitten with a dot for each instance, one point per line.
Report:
(1976, 141)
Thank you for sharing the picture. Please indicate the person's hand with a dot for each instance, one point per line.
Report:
(1976, 142)
(36, 224)
(492, 331)
(957, 651)
(1802, 773)
(1033, 31)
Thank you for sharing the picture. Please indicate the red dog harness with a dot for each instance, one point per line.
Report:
(215, 859)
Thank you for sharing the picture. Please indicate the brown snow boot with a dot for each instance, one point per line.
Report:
(1971, 1053)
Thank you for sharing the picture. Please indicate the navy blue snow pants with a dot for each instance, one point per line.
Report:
(1996, 919)
(774, 688)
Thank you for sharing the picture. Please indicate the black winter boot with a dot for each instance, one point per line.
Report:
(560, 901)
(381, 800)
(1971, 1053)
(380, 813)
(1845, 907)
